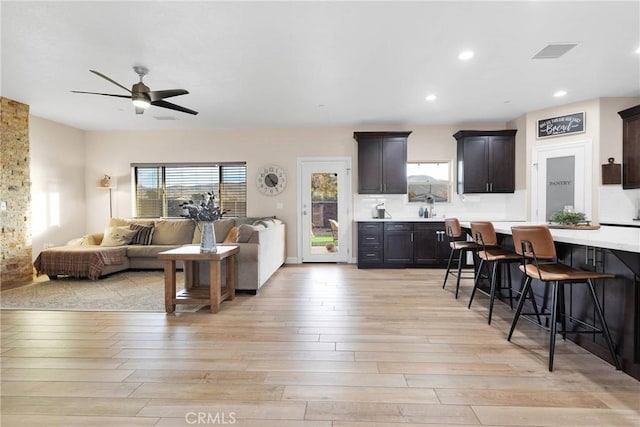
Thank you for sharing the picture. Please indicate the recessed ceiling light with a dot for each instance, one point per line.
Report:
(638, 51)
(431, 97)
(465, 55)
(560, 93)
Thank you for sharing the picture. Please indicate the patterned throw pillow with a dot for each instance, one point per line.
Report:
(117, 236)
(144, 234)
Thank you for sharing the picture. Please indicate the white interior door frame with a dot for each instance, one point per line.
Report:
(582, 150)
(345, 208)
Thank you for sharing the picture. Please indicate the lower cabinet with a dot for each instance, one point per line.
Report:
(402, 244)
(431, 247)
(398, 243)
(369, 244)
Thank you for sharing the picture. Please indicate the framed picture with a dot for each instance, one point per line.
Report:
(561, 125)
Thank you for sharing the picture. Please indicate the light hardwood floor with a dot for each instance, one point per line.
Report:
(319, 346)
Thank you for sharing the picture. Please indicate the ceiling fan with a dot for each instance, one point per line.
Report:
(141, 96)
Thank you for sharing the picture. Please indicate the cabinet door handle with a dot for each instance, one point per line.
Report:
(487, 187)
(412, 236)
(491, 187)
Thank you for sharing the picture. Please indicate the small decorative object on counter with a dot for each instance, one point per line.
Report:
(421, 212)
(568, 217)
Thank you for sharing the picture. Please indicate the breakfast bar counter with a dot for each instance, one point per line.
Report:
(609, 249)
(606, 237)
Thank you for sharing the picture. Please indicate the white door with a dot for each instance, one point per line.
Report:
(324, 198)
(561, 177)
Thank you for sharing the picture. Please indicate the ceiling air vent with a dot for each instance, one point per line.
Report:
(164, 118)
(553, 51)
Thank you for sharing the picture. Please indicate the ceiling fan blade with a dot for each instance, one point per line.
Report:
(105, 94)
(110, 80)
(157, 95)
(165, 104)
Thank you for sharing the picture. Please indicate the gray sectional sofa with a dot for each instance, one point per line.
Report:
(122, 246)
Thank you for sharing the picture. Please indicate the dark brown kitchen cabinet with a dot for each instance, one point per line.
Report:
(369, 244)
(486, 161)
(396, 244)
(630, 147)
(382, 162)
(430, 246)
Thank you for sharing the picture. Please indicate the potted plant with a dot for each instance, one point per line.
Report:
(568, 218)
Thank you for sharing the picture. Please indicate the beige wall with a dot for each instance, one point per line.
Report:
(58, 183)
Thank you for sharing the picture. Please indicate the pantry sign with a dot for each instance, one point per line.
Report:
(563, 125)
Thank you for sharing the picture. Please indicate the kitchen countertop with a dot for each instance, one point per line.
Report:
(609, 237)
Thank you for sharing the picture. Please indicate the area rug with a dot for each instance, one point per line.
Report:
(123, 291)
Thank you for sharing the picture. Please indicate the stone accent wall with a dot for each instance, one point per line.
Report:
(15, 189)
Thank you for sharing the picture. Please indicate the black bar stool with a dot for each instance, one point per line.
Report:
(539, 261)
(459, 244)
(491, 254)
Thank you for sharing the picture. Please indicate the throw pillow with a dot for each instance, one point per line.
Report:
(117, 236)
(143, 236)
(173, 232)
(232, 236)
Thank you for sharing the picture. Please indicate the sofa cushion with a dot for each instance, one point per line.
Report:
(172, 232)
(147, 251)
(245, 231)
(144, 234)
(117, 236)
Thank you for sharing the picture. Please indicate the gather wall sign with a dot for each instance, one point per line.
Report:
(561, 125)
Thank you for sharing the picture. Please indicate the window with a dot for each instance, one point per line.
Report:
(160, 189)
(426, 179)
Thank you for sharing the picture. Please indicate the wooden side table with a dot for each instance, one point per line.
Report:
(213, 294)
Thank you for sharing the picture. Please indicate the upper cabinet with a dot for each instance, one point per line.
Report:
(382, 162)
(630, 147)
(486, 161)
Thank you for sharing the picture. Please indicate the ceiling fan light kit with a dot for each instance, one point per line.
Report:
(141, 96)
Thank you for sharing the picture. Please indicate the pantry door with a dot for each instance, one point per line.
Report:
(324, 209)
(561, 177)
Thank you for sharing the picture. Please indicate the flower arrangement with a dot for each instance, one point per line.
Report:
(207, 211)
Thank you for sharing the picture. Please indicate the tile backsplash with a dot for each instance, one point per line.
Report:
(491, 207)
(618, 206)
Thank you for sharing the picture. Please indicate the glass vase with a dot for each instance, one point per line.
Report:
(208, 238)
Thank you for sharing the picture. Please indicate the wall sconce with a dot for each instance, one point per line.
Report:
(106, 181)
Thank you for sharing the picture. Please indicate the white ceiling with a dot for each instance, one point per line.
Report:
(307, 64)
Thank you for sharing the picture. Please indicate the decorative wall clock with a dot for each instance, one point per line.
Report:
(271, 180)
